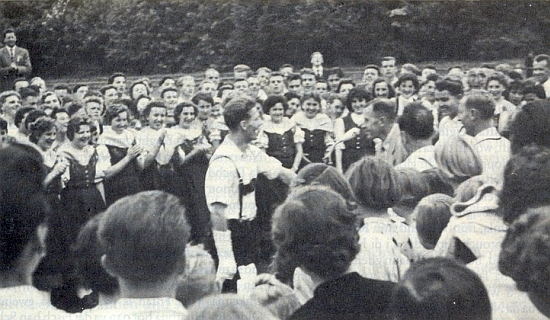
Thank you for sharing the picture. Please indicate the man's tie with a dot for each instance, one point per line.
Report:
(12, 55)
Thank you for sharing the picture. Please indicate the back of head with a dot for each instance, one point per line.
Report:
(199, 279)
(525, 254)
(413, 185)
(325, 175)
(374, 183)
(417, 121)
(531, 125)
(22, 204)
(451, 84)
(526, 182)
(87, 253)
(143, 237)
(383, 108)
(315, 230)
(457, 158)
(432, 216)
(228, 307)
(440, 288)
(484, 105)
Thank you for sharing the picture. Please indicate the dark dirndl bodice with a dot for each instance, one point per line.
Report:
(314, 144)
(124, 183)
(282, 147)
(357, 147)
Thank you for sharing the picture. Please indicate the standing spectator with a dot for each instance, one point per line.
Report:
(14, 61)
(317, 65)
(389, 70)
(476, 115)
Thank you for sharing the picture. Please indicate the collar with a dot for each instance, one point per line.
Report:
(487, 134)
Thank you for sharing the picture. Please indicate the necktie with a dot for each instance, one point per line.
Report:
(12, 55)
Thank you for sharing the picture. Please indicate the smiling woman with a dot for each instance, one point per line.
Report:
(118, 146)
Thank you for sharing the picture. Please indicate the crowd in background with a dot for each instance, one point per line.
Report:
(413, 194)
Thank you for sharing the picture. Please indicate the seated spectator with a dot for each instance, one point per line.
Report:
(147, 274)
(440, 288)
(315, 230)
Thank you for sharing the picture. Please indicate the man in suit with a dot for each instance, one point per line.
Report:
(317, 65)
(14, 61)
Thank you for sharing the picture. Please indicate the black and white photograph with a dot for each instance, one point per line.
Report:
(274, 159)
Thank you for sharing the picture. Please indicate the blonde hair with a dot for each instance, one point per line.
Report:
(457, 158)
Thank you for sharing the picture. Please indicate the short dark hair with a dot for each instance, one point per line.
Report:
(23, 206)
(408, 77)
(113, 112)
(62, 86)
(105, 88)
(343, 82)
(39, 127)
(135, 84)
(6, 31)
(357, 94)
(179, 109)
(27, 92)
(161, 82)
(526, 182)
(74, 108)
(74, 125)
(204, 97)
(271, 101)
(57, 110)
(454, 86)
(417, 121)
(483, 104)
(163, 92)
(151, 105)
(391, 90)
(531, 125)
(115, 75)
(525, 253)
(20, 115)
(78, 86)
(237, 110)
(384, 107)
(33, 116)
(294, 76)
(157, 221)
(440, 288)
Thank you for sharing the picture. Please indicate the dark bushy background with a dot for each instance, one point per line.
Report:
(92, 37)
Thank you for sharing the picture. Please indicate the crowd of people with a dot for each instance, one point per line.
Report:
(413, 194)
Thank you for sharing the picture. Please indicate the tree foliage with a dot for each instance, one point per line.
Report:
(86, 37)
